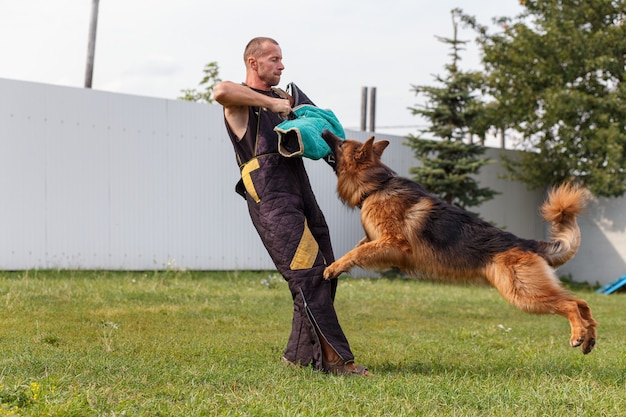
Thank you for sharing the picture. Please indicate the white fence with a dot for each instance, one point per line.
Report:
(97, 180)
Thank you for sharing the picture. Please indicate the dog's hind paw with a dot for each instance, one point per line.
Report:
(588, 345)
(577, 341)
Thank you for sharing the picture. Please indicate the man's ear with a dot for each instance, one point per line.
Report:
(252, 63)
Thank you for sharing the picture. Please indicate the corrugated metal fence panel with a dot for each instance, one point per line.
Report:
(100, 180)
(77, 180)
(516, 209)
(23, 184)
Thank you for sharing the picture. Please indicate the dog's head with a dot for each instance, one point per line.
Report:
(348, 154)
(358, 166)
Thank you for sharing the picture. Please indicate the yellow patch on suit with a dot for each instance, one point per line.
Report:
(247, 179)
(306, 253)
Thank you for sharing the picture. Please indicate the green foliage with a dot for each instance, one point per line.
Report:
(556, 73)
(454, 113)
(210, 80)
(208, 344)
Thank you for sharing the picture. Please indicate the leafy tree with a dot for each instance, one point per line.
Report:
(455, 114)
(556, 73)
(210, 80)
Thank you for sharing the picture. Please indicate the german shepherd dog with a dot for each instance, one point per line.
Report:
(408, 228)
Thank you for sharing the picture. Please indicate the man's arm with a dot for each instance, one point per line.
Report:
(236, 98)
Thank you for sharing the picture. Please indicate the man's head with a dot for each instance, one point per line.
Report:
(264, 63)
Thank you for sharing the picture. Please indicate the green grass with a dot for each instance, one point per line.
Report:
(83, 343)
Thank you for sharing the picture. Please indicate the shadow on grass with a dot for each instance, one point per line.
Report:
(509, 367)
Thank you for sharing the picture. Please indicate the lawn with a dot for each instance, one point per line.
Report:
(95, 343)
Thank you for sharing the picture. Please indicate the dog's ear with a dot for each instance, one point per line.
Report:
(380, 146)
(365, 152)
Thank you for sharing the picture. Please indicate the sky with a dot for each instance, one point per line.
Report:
(331, 48)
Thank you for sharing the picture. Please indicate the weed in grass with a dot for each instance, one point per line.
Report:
(14, 400)
(272, 281)
(51, 340)
(108, 330)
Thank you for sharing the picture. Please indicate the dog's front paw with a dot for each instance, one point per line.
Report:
(331, 271)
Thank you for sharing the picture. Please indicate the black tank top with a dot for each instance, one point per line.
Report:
(259, 138)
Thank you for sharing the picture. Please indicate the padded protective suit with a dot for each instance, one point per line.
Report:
(293, 229)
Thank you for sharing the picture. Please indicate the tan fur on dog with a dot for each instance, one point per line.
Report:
(408, 228)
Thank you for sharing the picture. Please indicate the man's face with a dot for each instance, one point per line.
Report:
(269, 65)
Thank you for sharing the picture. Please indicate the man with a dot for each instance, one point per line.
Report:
(284, 210)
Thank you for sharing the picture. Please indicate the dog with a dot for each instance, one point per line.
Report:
(410, 229)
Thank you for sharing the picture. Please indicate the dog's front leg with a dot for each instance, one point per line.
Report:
(368, 255)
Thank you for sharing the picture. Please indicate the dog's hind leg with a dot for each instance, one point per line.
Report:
(590, 340)
(529, 283)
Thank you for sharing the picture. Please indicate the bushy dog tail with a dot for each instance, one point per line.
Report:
(564, 203)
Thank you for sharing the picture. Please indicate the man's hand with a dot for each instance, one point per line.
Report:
(280, 105)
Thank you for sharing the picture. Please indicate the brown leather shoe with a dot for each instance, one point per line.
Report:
(342, 368)
(289, 363)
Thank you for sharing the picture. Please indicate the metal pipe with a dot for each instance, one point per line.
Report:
(373, 109)
(91, 46)
(363, 107)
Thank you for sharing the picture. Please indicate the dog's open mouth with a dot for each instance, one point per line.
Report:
(333, 141)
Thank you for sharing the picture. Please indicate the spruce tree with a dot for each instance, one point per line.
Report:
(450, 160)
